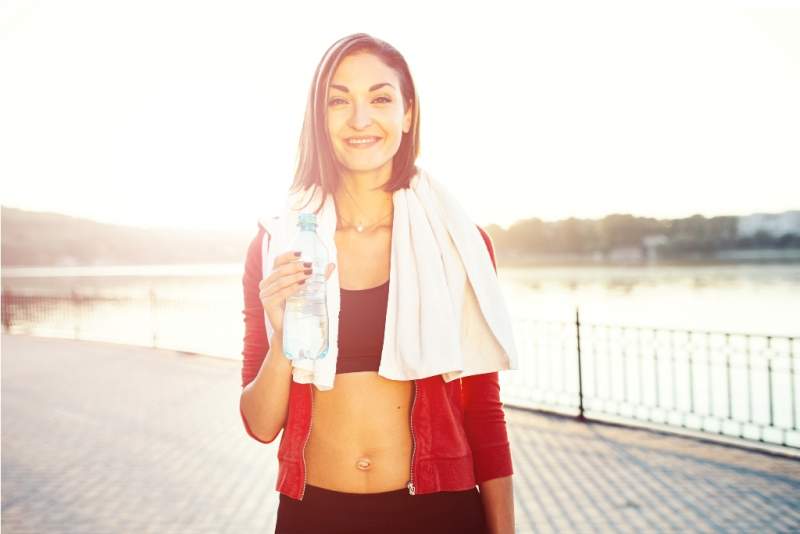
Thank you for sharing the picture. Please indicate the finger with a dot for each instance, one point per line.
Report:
(281, 283)
(289, 291)
(329, 270)
(286, 257)
(287, 269)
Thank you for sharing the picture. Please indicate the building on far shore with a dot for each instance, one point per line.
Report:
(772, 224)
(651, 245)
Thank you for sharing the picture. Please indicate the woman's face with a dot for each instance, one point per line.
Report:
(364, 104)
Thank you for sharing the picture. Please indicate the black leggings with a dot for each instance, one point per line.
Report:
(324, 511)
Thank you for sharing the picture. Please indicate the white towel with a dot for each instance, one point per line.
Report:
(446, 314)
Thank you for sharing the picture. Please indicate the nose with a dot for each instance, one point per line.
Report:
(360, 117)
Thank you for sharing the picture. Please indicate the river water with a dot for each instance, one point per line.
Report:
(198, 309)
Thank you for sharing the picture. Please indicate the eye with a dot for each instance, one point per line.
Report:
(333, 101)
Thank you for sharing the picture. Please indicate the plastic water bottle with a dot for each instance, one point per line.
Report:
(305, 318)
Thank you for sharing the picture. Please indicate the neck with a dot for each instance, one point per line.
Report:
(360, 199)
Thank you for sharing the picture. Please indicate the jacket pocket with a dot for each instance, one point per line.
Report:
(446, 424)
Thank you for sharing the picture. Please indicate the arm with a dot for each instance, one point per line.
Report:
(266, 372)
(484, 422)
(485, 426)
(497, 496)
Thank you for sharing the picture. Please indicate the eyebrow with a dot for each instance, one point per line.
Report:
(372, 88)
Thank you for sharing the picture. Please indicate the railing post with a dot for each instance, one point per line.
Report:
(75, 304)
(153, 326)
(580, 369)
(791, 381)
(7, 302)
(769, 381)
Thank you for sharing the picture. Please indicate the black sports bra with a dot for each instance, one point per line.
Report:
(362, 319)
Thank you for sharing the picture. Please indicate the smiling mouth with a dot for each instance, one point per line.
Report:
(362, 142)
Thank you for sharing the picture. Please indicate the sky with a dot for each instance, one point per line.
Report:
(188, 113)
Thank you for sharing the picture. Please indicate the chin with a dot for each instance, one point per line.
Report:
(364, 166)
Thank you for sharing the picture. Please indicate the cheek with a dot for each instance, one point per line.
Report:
(333, 125)
(394, 121)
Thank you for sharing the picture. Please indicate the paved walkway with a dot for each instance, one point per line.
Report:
(101, 438)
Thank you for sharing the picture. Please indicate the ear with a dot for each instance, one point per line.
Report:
(407, 118)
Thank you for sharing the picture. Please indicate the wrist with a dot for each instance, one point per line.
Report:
(277, 339)
(275, 354)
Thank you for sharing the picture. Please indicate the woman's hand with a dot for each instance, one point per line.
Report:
(287, 278)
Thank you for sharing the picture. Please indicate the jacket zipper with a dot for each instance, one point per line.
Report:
(411, 489)
(310, 422)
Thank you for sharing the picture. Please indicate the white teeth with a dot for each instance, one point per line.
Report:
(361, 141)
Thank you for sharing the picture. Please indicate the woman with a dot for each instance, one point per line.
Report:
(381, 455)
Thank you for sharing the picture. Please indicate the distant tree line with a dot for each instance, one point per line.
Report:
(676, 237)
(35, 238)
(52, 239)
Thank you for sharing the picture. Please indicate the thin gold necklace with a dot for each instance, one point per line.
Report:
(360, 227)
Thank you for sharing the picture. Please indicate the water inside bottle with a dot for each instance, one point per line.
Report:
(305, 323)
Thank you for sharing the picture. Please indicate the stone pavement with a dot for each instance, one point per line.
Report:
(103, 438)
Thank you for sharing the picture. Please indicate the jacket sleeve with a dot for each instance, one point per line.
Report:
(484, 419)
(256, 344)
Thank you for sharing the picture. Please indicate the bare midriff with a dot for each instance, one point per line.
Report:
(360, 438)
(360, 434)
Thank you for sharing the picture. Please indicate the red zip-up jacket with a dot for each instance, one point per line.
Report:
(458, 428)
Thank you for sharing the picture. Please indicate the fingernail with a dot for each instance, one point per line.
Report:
(301, 282)
(306, 264)
(307, 271)
(297, 253)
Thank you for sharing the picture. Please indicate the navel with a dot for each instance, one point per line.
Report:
(363, 464)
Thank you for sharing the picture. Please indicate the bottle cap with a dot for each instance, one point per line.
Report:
(307, 218)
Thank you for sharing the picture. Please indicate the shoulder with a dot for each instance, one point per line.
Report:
(255, 243)
(489, 245)
(254, 249)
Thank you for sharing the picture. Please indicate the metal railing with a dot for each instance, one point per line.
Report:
(739, 385)
(64, 314)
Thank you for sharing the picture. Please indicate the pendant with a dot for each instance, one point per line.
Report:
(359, 227)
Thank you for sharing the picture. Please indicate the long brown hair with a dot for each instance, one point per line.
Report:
(316, 163)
